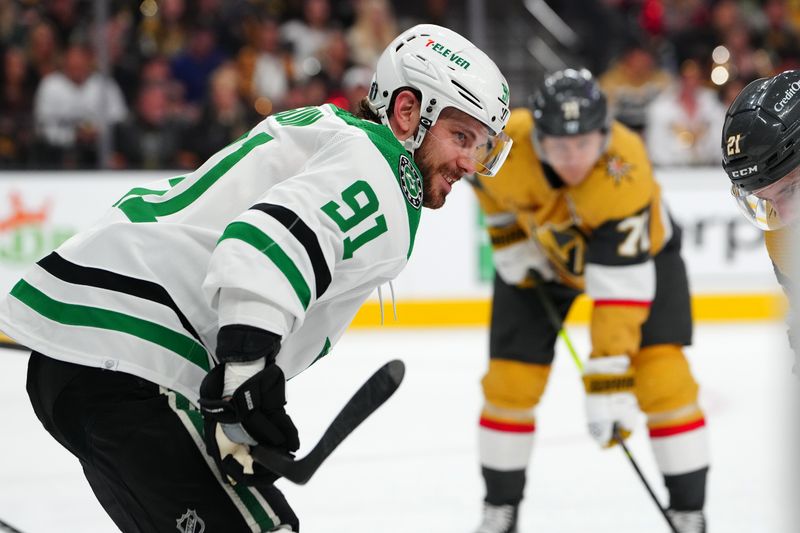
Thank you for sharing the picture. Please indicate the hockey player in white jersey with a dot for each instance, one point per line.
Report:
(212, 288)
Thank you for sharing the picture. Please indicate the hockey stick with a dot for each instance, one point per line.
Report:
(372, 394)
(621, 441)
(5, 526)
(556, 322)
(552, 315)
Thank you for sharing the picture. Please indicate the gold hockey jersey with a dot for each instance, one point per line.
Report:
(599, 236)
(779, 248)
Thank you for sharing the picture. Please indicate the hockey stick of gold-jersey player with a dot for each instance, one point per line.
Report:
(555, 320)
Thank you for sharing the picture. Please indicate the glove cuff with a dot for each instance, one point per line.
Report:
(237, 343)
(608, 375)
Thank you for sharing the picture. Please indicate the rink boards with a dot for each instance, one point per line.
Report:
(448, 280)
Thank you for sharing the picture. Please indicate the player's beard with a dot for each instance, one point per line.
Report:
(432, 197)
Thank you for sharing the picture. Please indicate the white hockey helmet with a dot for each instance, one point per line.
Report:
(448, 71)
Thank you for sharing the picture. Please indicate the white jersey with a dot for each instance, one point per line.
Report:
(288, 229)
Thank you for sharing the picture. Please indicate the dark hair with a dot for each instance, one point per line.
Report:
(365, 112)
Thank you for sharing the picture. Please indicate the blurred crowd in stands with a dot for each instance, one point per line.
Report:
(186, 77)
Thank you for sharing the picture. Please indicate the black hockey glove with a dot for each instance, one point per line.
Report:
(257, 407)
(253, 414)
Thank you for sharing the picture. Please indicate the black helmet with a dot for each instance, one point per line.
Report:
(569, 102)
(761, 132)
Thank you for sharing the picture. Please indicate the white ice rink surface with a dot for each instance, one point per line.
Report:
(412, 467)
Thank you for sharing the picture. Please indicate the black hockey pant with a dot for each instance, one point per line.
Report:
(141, 450)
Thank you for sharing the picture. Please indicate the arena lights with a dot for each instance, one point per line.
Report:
(720, 74)
(263, 106)
(721, 55)
(148, 8)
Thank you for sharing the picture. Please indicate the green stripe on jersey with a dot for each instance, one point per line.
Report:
(137, 209)
(263, 243)
(391, 150)
(95, 317)
(303, 116)
(244, 493)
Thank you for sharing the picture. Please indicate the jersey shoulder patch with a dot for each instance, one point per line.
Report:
(621, 183)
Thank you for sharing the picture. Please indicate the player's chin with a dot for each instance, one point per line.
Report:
(434, 199)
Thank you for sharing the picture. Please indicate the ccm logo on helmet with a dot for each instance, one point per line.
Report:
(788, 95)
(746, 171)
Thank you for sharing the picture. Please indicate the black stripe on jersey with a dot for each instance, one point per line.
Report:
(105, 279)
(306, 237)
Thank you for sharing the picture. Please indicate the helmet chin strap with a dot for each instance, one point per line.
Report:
(414, 141)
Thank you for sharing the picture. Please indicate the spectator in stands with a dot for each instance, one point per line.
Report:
(273, 64)
(374, 28)
(69, 107)
(355, 85)
(746, 61)
(224, 17)
(225, 116)
(151, 138)
(165, 32)
(71, 23)
(316, 90)
(43, 51)
(15, 21)
(157, 71)
(193, 66)
(683, 122)
(124, 60)
(335, 60)
(438, 12)
(700, 40)
(631, 84)
(16, 101)
(780, 38)
(308, 36)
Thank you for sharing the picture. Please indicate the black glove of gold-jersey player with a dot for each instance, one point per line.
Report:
(253, 414)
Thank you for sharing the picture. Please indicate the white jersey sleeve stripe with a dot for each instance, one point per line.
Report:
(307, 238)
(262, 242)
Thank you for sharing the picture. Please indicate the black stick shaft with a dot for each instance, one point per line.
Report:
(8, 528)
(371, 395)
(555, 320)
(629, 455)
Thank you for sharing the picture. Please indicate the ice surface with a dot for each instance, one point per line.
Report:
(412, 467)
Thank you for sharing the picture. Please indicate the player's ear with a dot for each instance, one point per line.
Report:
(405, 114)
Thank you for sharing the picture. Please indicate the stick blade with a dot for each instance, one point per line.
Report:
(371, 395)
